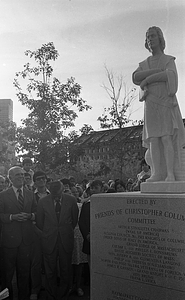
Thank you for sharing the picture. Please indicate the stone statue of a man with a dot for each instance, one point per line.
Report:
(163, 130)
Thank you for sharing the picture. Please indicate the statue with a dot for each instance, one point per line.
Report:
(163, 130)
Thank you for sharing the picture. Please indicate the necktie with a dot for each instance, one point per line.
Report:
(57, 207)
(20, 199)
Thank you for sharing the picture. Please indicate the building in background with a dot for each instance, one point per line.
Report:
(118, 151)
(7, 147)
(6, 111)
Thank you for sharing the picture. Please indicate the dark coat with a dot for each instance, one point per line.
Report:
(49, 225)
(84, 225)
(13, 232)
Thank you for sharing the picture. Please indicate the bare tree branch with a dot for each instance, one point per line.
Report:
(117, 115)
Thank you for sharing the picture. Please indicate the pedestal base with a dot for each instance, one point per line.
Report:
(174, 187)
(137, 246)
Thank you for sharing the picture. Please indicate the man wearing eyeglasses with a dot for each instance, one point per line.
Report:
(41, 191)
(17, 211)
(40, 180)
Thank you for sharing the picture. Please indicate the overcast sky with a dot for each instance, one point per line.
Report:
(88, 34)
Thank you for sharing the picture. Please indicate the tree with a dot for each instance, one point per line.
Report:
(53, 107)
(7, 145)
(86, 129)
(138, 122)
(88, 166)
(117, 115)
(124, 161)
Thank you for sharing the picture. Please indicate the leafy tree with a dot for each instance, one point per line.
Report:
(88, 166)
(53, 107)
(7, 144)
(124, 161)
(129, 151)
(138, 122)
(117, 115)
(104, 169)
(86, 129)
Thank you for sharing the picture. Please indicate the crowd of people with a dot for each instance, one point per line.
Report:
(45, 230)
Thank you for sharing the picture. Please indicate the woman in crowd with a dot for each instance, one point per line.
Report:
(119, 186)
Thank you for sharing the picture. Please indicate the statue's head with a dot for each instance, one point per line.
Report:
(160, 36)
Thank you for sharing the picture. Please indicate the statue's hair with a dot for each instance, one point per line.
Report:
(160, 35)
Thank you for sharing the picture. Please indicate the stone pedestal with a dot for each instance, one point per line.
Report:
(138, 246)
(163, 187)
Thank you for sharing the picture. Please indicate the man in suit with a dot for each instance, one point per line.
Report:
(41, 191)
(17, 210)
(57, 216)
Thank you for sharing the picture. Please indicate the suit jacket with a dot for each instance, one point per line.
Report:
(52, 228)
(84, 225)
(14, 232)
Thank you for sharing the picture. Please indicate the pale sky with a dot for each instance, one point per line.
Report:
(88, 34)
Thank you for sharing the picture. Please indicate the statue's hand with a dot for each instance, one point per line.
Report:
(144, 94)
